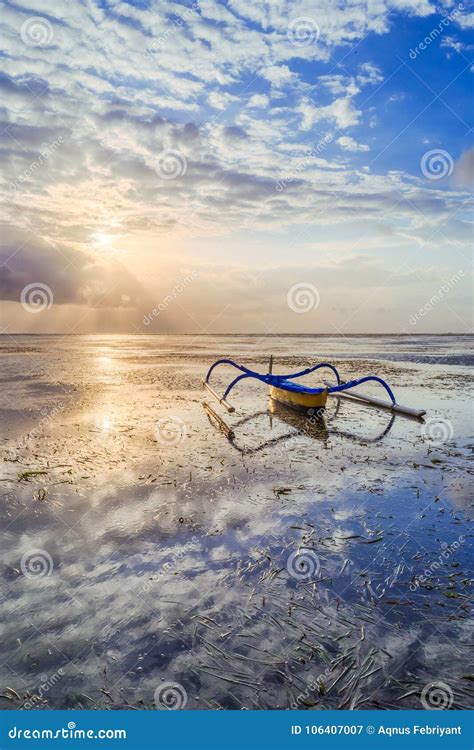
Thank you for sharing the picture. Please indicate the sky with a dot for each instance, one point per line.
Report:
(221, 167)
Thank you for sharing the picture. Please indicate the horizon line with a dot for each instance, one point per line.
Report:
(260, 335)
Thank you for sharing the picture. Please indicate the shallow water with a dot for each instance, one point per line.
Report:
(305, 564)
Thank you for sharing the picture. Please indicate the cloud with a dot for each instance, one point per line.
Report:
(414, 7)
(221, 99)
(369, 74)
(342, 112)
(397, 97)
(73, 276)
(232, 295)
(310, 114)
(247, 110)
(465, 20)
(278, 75)
(451, 42)
(259, 100)
(349, 144)
(339, 84)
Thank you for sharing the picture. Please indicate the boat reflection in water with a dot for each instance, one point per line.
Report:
(266, 425)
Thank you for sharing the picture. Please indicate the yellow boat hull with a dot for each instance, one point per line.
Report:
(302, 401)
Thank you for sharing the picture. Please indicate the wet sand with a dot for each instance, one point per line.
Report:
(305, 564)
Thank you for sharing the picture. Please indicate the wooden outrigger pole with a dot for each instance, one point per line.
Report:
(396, 408)
(222, 401)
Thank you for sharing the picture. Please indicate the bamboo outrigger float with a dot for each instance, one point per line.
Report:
(284, 390)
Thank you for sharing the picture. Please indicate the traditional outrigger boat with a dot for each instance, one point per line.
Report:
(284, 389)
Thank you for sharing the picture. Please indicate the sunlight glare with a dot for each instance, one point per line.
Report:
(102, 239)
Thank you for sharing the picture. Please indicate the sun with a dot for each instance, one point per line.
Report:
(102, 239)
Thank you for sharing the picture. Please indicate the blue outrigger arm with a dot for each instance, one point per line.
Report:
(285, 382)
(269, 379)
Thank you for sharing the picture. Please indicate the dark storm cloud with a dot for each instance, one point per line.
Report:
(73, 276)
